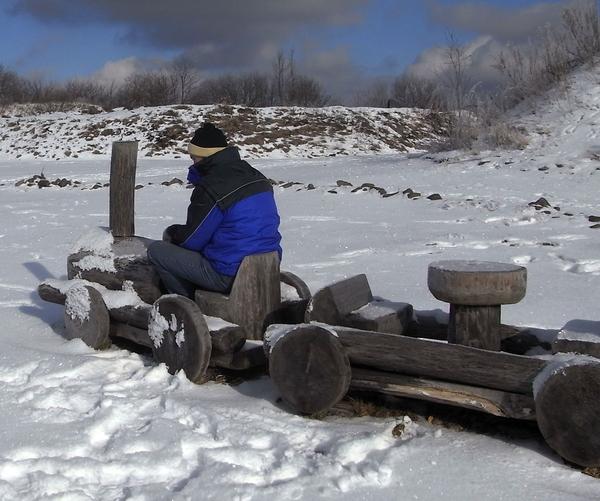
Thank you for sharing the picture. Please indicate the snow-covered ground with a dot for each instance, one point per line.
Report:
(79, 424)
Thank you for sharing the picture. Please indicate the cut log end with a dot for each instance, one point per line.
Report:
(568, 410)
(180, 336)
(87, 318)
(310, 368)
(477, 283)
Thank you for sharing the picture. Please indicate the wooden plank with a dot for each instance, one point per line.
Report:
(568, 409)
(495, 402)
(123, 164)
(439, 360)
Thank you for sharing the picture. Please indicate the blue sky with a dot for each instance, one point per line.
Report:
(366, 38)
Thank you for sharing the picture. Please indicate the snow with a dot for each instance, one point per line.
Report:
(78, 303)
(157, 327)
(112, 298)
(216, 323)
(378, 308)
(580, 330)
(81, 424)
(289, 293)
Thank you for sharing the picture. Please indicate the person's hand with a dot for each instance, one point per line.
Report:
(166, 236)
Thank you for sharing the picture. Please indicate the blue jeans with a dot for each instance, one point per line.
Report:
(182, 271)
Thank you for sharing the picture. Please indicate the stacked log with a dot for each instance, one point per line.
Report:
(563, 399)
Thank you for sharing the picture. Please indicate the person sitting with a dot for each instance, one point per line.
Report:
(232, 214)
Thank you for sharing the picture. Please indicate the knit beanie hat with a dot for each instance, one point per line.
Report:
(207, 141)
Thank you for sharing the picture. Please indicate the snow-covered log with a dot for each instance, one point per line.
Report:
(578, 336)
(308, 365)
(131, 322)
(123, 259)
(568, 408)
(350, 302)
(86, 317)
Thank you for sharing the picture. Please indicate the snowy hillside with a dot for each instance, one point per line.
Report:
(84, 132)
(79, 424)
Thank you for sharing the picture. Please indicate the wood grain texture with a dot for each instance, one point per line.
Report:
(331, 303)
(92, 328)
(495, 402)
(477, 283)
(476, 326)
(439, 360)
(568, 413)
(123, 165)
(191, 354)
(256, 292)
(310, 369)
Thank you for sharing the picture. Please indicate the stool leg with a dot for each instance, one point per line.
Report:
(476, 326)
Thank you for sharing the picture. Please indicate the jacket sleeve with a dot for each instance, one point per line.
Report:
(203, 218)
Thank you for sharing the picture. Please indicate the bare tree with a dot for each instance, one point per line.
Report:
(147, 89)
(582, 25)
(184, 78)
(412, 92)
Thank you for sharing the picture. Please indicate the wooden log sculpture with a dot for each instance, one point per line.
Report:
(255, 293)
(308, 365)
(131, 322)
(126, 261)
(350, 303)
(180, 336)
(568, 408)
(475, 291)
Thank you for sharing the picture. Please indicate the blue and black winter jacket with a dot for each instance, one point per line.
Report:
(232, 212)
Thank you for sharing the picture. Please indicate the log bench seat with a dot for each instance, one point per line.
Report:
(255, 293)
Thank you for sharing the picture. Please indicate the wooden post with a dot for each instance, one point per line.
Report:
(122, 188)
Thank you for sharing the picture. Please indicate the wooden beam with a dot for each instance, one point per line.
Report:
(440, 360)
(122, 188)
(495, 402)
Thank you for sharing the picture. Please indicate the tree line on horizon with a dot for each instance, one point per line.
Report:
(525, 70)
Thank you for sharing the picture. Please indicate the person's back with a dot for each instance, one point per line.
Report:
(232, 214)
